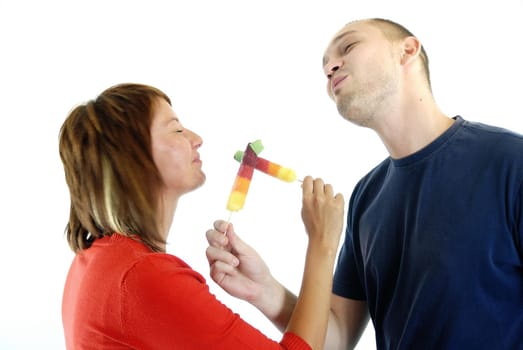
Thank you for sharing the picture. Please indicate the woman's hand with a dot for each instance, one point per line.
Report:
(322, 213)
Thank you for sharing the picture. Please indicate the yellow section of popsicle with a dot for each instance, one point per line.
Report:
(236, 200)
(286, 174)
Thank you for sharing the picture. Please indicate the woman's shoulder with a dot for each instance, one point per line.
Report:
(156, 268)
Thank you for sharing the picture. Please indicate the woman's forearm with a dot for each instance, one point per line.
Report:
(311, 312)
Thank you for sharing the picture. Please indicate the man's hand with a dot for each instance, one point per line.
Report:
(234, 265)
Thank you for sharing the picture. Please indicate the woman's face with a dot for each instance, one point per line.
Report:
(175, 152)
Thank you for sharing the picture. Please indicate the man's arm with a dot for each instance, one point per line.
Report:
(347, 321)
(347, 318)
(240, 271)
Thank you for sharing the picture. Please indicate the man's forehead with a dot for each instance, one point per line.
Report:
(351, 28)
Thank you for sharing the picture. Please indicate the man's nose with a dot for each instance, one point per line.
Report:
(331, 67)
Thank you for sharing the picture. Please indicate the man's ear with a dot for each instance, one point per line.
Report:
(410, 50)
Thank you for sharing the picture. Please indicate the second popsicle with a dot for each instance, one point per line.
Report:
(270, 168)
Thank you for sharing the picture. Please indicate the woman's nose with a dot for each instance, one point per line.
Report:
(196, 139)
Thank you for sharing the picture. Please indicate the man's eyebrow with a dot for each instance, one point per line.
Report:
(342, 35)
(337, 39)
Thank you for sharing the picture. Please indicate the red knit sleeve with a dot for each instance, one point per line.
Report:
(292, 341)
(167, 305)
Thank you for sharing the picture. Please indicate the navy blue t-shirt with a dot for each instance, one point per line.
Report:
(434, 243)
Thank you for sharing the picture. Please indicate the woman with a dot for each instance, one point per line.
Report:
(127, 161)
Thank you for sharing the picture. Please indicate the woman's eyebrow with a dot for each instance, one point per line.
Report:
(169, 121)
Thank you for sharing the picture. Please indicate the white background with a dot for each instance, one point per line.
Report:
(236, 71)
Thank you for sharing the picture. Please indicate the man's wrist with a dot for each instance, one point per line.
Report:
(277, 303)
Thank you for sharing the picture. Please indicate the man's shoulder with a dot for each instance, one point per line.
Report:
(489, 131)
(493, 141)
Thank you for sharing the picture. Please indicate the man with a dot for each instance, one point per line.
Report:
(434, 244)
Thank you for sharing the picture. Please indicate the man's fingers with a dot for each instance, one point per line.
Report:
(217, 254)
(219, 271)
(216, 238)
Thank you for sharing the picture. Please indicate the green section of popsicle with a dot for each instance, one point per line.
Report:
(256, 146)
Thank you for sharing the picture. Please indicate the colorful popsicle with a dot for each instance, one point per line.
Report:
(270, 168)
(244, 176)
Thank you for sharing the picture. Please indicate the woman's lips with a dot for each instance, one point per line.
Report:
(197, 160)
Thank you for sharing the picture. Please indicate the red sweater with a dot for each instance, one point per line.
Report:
(120, 295)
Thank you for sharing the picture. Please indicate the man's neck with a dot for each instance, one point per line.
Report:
(412, 127)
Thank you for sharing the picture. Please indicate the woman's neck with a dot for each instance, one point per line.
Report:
(166, 210)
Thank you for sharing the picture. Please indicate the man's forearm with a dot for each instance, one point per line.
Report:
(277, 304)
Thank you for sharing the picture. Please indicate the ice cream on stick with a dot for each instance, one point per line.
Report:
(270, 168)
(244, 176)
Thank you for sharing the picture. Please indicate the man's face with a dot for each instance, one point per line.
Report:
(361, 70)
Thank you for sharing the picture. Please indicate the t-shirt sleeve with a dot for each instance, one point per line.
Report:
(168, 306)
(347, 282)
(519, 220)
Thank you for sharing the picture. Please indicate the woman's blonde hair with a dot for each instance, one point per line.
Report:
(105, 147)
